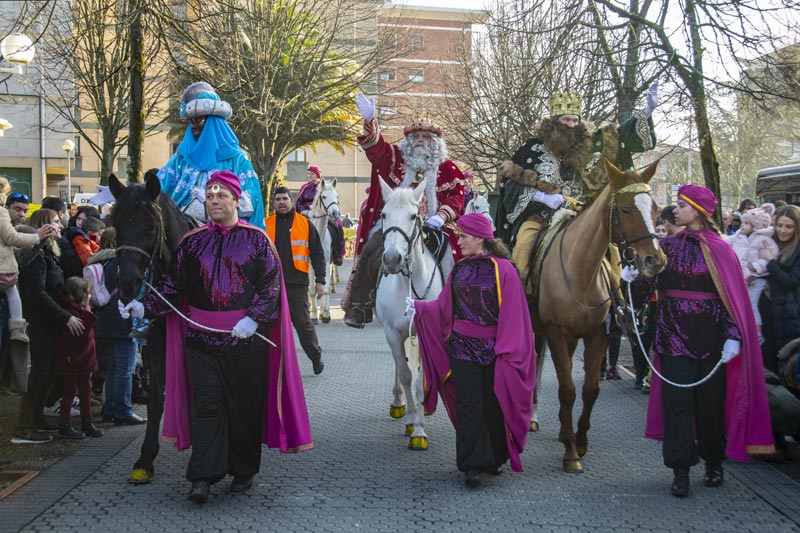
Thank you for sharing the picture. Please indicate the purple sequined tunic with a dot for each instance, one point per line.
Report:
(224, 270)
(305, 197)
(688, 327)
(475, 300)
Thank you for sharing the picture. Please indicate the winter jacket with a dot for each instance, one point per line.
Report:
(784, 293)
(754, 250)
(40, 279)
(85, 244)
(9, 237)
(110, 325)
(76, 354)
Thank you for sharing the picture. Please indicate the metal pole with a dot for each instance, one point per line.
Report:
(69, 177)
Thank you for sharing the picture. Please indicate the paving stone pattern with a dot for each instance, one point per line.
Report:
(361, 476)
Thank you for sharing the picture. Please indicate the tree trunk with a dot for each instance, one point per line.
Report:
(136, 126)
(107, 161)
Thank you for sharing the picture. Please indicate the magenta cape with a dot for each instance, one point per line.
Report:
(747, 421)
(515, 367)
(285, 421)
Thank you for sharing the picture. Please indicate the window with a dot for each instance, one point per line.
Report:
(417, 41)
(416, 75)
(390, 40)
(298, 155)
(387, 75)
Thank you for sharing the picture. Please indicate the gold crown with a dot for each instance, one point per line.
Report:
(565, 104)
(423, 124)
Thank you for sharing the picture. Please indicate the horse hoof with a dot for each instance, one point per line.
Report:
(582, 450)
(397, 411)
(418, 443)
(409, 429)
(573, 467)
(333, 290)
(534, 426)
(325, 319)
(314, 321)
(140, 476)
(429, 413)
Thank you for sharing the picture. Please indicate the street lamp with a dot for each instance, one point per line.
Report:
(68, 147)
(18, 50)
(4, 125)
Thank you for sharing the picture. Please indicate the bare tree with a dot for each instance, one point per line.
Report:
(693, 37)
(88, 80)
(529, 50)
(288, 68)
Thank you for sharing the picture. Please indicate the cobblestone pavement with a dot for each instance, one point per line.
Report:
(361, 477)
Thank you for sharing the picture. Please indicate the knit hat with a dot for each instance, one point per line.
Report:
(316, 170)
(702, 199)
(475, 224)
(760, 217)
(201, 100)
(226, 179)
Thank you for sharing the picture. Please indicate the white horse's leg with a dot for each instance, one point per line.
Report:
(402, 375)
(418, 440)
(312, 308)
(325, 301)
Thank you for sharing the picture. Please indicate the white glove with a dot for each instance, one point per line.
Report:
(366, 106)
(410, 309)
(629, 273)
(436, 221)
(134, 309)
(245, 328)
(730, 350)
(553, 201)
(651, 99)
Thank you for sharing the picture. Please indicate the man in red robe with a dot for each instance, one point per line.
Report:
(421, 154)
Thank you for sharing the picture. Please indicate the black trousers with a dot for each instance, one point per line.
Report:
(226, 415)
(480, 426)
(694, 419)
(40, 382)
(297, 295)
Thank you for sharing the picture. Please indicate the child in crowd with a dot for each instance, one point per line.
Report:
(661, 229)
(9, 270)
(755, 247)
(75, 359)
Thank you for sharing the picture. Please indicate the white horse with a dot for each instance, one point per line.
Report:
(409, 269)
(479, 204)
(325, 207)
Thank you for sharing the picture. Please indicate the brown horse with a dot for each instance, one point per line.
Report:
(574, 293)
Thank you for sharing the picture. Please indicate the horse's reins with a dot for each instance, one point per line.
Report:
(407, 269)
(613, 222)
(325, 208)
(197, 324)
(650, 363)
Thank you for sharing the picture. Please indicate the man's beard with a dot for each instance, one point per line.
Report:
(565, 143)
(419, 157)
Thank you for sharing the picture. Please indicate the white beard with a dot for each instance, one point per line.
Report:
(419, 158)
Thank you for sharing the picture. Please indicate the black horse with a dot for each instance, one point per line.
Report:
(149, 227)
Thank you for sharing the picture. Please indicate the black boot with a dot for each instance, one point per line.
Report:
(89, 428)
(472, 478)
(680, 485)
(199, 492)
(66, 431)
(362, 290)
(714, 476)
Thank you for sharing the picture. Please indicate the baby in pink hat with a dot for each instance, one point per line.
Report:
(755, 247)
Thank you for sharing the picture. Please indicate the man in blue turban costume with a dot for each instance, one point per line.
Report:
(209, 145)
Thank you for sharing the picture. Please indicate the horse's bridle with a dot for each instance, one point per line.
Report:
(416, 233)
(407, 269)
(160, 238)
(325, 207)
(615, 222)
